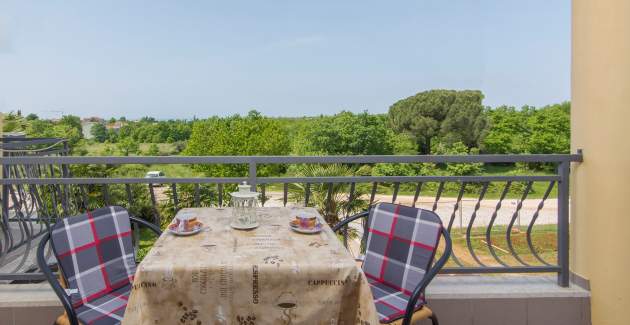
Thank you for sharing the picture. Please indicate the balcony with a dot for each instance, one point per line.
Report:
(510, 261)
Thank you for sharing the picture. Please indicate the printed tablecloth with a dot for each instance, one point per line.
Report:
(269, 275)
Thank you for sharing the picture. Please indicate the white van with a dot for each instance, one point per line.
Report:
(155, 174)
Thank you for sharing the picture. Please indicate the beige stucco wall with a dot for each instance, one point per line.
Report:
(600, 125)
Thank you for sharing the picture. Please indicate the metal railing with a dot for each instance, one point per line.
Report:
(499, 245)
(20, 225)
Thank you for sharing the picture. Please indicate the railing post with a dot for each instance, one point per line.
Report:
(64, 191)
(5, 197)
(64, 167)
(156, 213)
(252, 174)
(563, 223)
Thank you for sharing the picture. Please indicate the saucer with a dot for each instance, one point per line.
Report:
(172, 228)
(318, 227)
(239, 226)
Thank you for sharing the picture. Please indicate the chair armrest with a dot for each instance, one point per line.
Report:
(52, 280)
(411, 304)
(350, 219)
(147, 224)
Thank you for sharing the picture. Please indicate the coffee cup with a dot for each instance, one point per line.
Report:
(306, 220)
(185, 221)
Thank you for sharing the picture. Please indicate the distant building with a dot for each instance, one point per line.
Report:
(87, 124)
(115, 126)
(86, 127)
(93, 119)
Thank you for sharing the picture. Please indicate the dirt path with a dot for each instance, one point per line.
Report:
(461, 217)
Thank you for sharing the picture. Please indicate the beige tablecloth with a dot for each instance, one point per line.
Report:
(270, 275)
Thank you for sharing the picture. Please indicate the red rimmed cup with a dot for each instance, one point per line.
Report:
(306, 220)
(185, 221)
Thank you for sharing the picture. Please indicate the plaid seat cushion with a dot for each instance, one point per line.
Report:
(105, 310)
(390, 303)
(401, 245)
(95, 253)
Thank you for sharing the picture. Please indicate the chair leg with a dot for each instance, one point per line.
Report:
(434, 319)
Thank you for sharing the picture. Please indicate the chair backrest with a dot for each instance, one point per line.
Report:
(401, 245)
(95, 252)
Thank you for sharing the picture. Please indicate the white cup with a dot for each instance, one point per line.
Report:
(183, 219)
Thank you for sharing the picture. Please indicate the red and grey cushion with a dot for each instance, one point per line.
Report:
(108, 309)
(95, 253)
(401, 245)
(390, 303)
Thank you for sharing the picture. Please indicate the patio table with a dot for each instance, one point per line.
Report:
(269, 275)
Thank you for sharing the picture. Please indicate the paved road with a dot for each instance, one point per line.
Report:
(547, 215)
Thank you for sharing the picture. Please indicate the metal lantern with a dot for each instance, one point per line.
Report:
(244, 203)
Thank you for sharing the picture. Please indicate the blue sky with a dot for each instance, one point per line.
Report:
(179, 59)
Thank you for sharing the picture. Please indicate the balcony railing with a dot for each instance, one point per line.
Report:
(40, 189)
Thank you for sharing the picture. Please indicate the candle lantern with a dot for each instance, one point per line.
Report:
(244, 203)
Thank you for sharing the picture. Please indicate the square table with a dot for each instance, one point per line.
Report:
(268, 275)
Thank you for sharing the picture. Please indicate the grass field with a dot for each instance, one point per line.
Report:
(100, 149)
(544, 239)
(147, 238)
(175, 170)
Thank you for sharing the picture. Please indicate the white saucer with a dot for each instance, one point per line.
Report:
(185, 233)
(244, 227)
(318, 228)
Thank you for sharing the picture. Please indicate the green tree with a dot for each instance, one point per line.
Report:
(128, 146)
(528, 130)
(148, 130)
(550, 130)
(99, 132)
(403, 143)
(31, 117)
(345, 134)
(69, 132)
(41, 128)
(398, 169)
(72, 121)
(456, 149)
(13, 122)
(332, 200)
(107, 151)
(237, 135)
(48, 129)
(153, 150)
(507, 131)
(454, 116)
(112, 136)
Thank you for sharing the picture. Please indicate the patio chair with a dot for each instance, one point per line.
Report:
(400, 248)
(96, 263)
